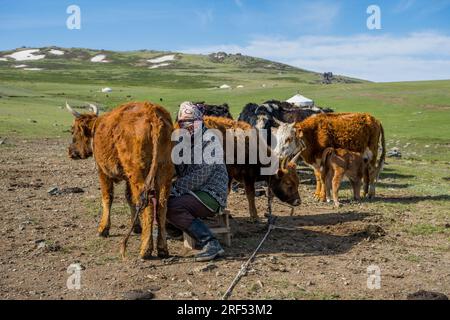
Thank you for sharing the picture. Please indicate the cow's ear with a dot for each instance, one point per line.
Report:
(86, 127)
(280, 173)
(86, 131)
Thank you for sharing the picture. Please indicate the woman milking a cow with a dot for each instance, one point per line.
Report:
(199, 191)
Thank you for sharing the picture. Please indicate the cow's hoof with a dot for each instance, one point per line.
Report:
(103, 233)
(137, 229)
(163, 253)
(147, 255)
(317, 197)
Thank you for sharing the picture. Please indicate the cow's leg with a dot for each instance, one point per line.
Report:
(372, 172)
(250, 193)
(324, 177)
(107, 189)
(356, 185)
(270, 201)
(147, 232)
(323, 188)
(137, 226)
(320, 190)
(136, 185)
(366, 180)
(328, 184)
(336, 183)
(163, 251)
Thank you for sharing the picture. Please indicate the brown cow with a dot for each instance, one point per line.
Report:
(351, 131)
(130, 143)
(284, 183)
(339, 162)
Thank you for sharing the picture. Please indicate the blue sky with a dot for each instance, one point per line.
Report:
(413, 44)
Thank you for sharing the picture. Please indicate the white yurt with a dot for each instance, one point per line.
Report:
(300, 101)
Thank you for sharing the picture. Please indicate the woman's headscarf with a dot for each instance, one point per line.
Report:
(190, 116)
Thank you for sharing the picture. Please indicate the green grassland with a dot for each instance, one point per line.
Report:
(416, 115)
(413, 193)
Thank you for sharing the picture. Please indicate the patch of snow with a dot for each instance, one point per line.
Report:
(25, 55)
(99, 58)
(106, 89)
(21, 66)
(225, 86)
(159, 65)
(33, 69)
(165, 58)
(3, 59)
(240, 86)
(56, 52)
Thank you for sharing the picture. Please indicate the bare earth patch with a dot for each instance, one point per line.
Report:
(405, 234)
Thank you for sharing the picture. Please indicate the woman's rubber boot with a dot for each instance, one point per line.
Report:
(211, 248)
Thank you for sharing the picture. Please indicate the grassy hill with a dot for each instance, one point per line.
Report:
(415, 114)
(185, 71)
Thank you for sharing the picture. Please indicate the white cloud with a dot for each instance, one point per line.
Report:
(416, 56)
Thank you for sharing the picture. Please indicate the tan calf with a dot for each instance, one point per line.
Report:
(337, 163)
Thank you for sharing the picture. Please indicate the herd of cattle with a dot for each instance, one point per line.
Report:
(133, 143)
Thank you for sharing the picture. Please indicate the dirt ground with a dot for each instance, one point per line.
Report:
(325, 258)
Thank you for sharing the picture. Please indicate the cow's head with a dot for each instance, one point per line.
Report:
(82, 126)
(265, 115)
(284, 184)
(289, 141)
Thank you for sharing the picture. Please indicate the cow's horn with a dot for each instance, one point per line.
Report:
(283, 163)
(296, 157)
(94, 108)
(302, 145)
(75, 113)
(278, 122)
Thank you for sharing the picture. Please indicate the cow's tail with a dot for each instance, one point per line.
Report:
(383, 153)
(328, 152)
(148, 189)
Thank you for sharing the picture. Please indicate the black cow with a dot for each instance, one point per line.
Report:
(260, 116)
(265, 116)
(222, 110)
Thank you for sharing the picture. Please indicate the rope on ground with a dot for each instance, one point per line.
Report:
(286, 228)
(271, 226)
(244, 267)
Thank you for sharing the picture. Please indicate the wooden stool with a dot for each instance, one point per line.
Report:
(219, 226)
